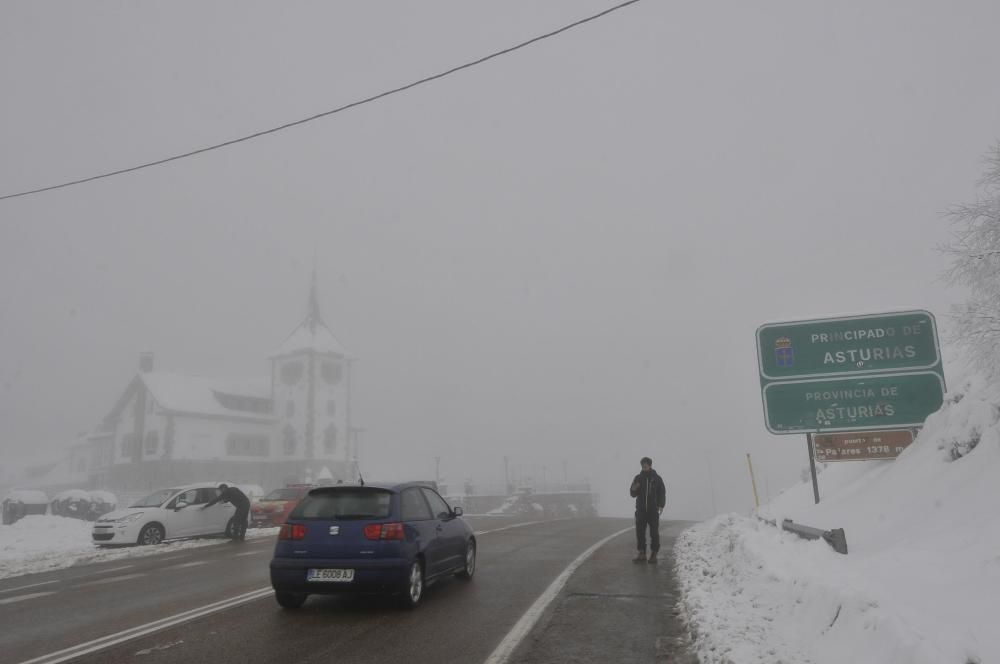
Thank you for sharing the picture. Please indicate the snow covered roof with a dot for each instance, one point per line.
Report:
(311, 335)
(28, 496)
(206, 396)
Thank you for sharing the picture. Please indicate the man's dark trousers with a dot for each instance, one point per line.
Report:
(651, 519)
(240, 522)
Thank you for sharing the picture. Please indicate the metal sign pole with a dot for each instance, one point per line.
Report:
(812, 466)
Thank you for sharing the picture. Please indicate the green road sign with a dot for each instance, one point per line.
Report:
(884, 401)
(855, 345)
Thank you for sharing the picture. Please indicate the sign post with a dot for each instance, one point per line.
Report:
(812, 467)
(860, 374)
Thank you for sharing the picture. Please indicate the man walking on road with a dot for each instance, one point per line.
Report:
(239, 500)
(650, 497)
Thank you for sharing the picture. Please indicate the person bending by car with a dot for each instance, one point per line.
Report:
(650, 497)
(239, 500)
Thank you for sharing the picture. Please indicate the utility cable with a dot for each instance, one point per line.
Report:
(345, 107)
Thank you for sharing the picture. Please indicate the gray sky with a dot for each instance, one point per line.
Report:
(561, 254)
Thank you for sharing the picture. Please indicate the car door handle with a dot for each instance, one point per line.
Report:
(439, 528)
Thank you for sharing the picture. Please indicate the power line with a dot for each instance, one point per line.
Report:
(345, 107)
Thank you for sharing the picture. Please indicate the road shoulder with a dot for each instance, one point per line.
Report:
(614, 610)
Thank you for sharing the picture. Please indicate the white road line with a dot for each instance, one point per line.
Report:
(21, 598)
(531, 616)
(191, 564)
(75, 578)
(113, 579)
(148, 628)
(248, 553)
(105, 571)
(30, 585)
(518, 525)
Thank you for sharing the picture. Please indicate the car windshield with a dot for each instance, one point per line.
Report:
(344, 504)
(154, 499)
(283, 494)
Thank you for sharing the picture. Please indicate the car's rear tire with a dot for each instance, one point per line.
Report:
(151, 534)
(414, 589)
(470, 561)
(290, 600)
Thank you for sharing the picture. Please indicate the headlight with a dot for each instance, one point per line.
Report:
(128, 519)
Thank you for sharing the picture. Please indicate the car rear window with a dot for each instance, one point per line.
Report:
(283, 494)
(355, 503)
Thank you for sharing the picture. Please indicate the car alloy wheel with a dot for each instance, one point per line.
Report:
(415, 587)
(470, 560)
(151, 534)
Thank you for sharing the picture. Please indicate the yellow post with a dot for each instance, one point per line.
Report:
(753, 482)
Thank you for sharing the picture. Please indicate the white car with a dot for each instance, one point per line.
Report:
(166, 514)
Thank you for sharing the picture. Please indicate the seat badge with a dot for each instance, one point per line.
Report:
(334, 530)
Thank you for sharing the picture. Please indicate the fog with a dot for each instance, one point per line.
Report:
(559, 256)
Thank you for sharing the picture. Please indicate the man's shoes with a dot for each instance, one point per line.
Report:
(640, 557)
(652, 559)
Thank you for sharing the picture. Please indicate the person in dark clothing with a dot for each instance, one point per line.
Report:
(650, 498)
(239, 500)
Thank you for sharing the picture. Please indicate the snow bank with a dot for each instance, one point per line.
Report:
(920, 583)
(43, 543)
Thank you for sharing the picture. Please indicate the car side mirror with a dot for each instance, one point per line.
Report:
(180, 505)
(457, 511)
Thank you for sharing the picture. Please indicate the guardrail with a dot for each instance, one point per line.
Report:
(834, 537)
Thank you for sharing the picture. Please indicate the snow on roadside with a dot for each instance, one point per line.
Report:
(41, 543)
(919, 585)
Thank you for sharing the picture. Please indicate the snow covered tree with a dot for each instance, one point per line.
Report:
(975, 253)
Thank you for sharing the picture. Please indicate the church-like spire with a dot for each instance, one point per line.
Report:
(313, 317)
(312, 334)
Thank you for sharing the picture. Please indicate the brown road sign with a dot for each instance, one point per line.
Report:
(861, 445)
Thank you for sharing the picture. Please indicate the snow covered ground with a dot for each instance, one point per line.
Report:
(44, 543)
(921, 582)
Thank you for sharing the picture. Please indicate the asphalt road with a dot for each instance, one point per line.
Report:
(609, 610)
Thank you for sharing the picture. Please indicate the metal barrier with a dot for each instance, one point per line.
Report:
(835, 537)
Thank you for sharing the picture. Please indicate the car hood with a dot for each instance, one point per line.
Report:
(117, 514)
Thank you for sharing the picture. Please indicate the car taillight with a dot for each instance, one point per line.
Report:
(384, 531)
(292, 531)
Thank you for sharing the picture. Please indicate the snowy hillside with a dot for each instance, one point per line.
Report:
(921, 584)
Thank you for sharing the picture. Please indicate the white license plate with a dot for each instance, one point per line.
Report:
(330, 575)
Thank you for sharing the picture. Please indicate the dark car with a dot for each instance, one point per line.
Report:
(274, 508)
(385, 538)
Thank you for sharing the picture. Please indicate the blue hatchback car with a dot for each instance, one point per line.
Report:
(376, 538)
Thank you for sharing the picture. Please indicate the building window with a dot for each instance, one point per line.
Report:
(288, 435)
(290, 409)
(81, 464)
(152, 442)
(291, 373)
(331, 407)
(128, 444)
(247, 444)
(331, 372)
(330, 438)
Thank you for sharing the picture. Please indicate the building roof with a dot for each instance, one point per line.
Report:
(207, 396)
(311, 336)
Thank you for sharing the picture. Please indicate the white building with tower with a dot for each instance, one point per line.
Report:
(171, 429)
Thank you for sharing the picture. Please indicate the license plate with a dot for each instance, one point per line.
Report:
(331, 575)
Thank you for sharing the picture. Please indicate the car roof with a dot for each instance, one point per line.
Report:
(197, 485)
(395, 487)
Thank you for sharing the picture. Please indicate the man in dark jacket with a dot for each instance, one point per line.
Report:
(650, 498)
(239, 500)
